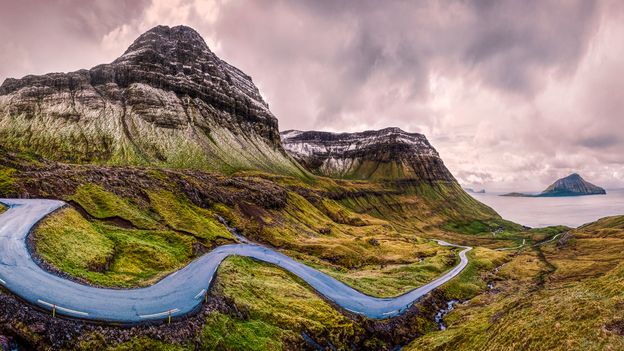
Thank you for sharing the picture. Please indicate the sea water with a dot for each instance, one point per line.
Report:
(572, 211)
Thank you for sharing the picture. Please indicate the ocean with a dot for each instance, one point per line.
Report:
(572, 211)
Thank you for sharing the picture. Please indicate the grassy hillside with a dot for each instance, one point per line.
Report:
(128, 244)
(565, 295)
(108, 143)
(128, 227)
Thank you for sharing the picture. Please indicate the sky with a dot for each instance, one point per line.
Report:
(513, 94)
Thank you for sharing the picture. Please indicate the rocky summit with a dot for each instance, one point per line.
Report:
(389, 153)
(572, 185)
(168, 100)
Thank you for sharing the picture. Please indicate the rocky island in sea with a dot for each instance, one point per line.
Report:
(572, 185)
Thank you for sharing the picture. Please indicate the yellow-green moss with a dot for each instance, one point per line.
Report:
(6, 180)
(108, 255)
(103, 204)
(566, 296)
(180, 214)
(224, 332)
(279, 299)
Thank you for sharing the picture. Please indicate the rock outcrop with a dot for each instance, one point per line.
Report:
(572, 185)
(168, 100)
(389, 153)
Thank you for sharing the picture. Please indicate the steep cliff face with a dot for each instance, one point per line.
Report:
(389, 153)
(168, 100)
(572, 185)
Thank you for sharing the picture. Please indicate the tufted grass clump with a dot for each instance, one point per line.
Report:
(282, 302)
(6, 181)
(182, 215)
(107, 255)
(103, 204)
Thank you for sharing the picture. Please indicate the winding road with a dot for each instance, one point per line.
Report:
(176, 295)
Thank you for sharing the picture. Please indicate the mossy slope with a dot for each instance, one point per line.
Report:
(563, 295)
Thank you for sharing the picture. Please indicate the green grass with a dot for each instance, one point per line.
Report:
(363, 251)
(282, 303)
(370, 239)
(470, 281)
(49, 135)
(607, 224)
(388, 280)
(224, 332)
(107, 255)
(2, 208)
(103, 204)
(6, 181)
(360, 250)
(568, 297)
(98, 342)
(472, 227)
(180, 214)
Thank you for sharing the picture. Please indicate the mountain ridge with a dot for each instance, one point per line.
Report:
(388, 153)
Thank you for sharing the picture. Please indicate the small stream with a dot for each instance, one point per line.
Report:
(439, 317)
(234, 232)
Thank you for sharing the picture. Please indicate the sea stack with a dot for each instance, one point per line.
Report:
(572, 185)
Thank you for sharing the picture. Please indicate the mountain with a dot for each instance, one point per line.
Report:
(471, 190)
(168, 100)
(389, 153)
(572, 185)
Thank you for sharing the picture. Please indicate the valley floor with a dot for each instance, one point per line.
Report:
(567, 294)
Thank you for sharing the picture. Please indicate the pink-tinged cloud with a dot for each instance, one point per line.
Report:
(512, 93)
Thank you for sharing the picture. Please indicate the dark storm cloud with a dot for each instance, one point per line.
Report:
(600, 141)
(513, 42)
(510, 46)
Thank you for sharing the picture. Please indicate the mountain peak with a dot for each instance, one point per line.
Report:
(168, 100)
(572, 185)
(170, 42)
(396, 130)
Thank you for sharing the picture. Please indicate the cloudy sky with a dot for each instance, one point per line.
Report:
(513, 94)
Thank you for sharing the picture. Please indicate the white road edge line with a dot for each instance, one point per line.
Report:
(62, 309)
(159, 314)
(3, 282)
(200, 294)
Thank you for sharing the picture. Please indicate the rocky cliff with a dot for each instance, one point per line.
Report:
(572, 185)
(389, 153)
(168, 100)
